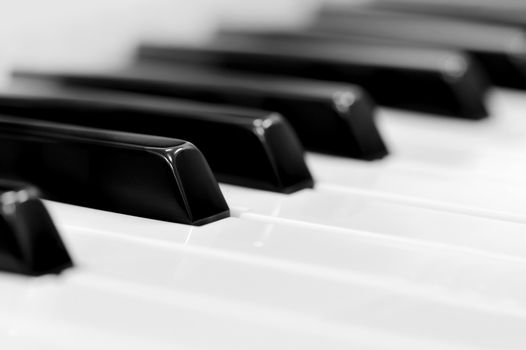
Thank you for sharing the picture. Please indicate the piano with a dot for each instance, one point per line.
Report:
(423, 246)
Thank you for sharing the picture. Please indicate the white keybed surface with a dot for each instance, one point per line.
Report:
(425, 249)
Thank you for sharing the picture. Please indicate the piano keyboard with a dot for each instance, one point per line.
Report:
(420, 248)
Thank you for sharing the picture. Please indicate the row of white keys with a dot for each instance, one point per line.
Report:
(321, 251)
(356, 211)
(475, 213)
(184, 290)
(471, 195)
(503, 130)
(86, 312)
(491, 148)
(474, 167)
(390, 197)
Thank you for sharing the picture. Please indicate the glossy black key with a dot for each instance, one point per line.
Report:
(488, 12)
(501, 50)
(406, 78)
(154, 177)
(327, 117)
(29, 241)
(243, 146)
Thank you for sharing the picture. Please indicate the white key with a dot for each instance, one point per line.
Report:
(490, 149)
(88, 311)
(502, 131)
(320, 251)
(378, 215)
(424, 187)
(151, 277)
(325, 254)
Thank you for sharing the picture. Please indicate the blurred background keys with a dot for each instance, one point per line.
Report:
(327, 117)
(489, 12)
(271, 156)
(436, 81)
(500, 49)
(29, 241)
(154, 177)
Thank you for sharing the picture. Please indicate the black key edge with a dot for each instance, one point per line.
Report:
(32, 234)
(357, 111)
(196, 184)
(286, 152)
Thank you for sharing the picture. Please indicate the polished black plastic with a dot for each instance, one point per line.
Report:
(243, 146)
(327, 117)
(406, 78)
(481, 11)
(29, 241)
(501, 50)
(154, 177)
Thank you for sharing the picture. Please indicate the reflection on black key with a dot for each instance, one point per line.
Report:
(490, 12)
(500, 49)
(154, 177)
(29, 241)
(327, 117)
(243, 147)
(435, 81)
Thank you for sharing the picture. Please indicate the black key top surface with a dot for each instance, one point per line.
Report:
(409, 78)
(511, 14)
(501, 50)
(331, 118)
(29, 241)
(258, 148)
(154, 177)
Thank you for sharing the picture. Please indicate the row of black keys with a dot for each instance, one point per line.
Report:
(107, 139)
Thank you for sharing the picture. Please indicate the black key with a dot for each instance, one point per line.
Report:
(501, 50)
(243, 147)
(414, 79)
(154, 177)
(327, 117)
(29, 241)
(489, 12)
